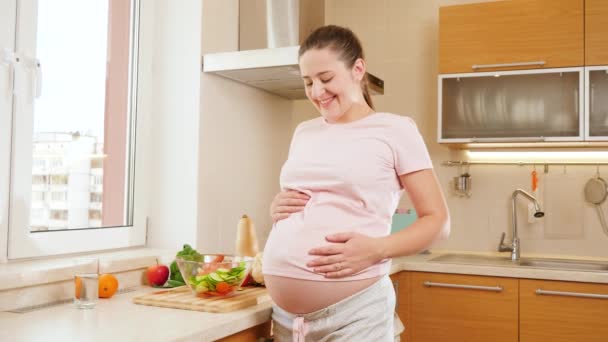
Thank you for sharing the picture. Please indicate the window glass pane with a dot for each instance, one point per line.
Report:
(81, 118)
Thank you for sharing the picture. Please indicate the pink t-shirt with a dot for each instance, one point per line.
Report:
(350, 171)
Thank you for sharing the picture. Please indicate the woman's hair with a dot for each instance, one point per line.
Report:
(343, 41)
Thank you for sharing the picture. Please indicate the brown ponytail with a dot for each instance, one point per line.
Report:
(341, 40)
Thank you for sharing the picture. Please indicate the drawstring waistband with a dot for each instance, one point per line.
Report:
(300, 329)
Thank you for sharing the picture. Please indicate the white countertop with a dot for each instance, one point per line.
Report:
(118, 319)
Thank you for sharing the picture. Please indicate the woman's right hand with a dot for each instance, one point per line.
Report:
(287, 202)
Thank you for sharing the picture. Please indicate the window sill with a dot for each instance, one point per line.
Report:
(21, 274)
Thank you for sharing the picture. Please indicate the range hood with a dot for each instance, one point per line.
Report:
(275, 70)
(270, 32)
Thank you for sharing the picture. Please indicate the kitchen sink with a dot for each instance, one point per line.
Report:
(555, 264)
(562, 264)
(472, 259)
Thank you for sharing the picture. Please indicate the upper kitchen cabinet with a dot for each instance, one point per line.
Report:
(596, 104)
(510, 35)
(596, 32)
(528, 106)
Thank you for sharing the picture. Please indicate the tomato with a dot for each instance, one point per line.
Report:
(223, 288)
(248, 279)
(218, 258)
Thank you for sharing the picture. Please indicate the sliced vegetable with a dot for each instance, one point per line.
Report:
(223, 288)
(219, 281)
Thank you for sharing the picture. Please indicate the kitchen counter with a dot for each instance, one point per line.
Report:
(422, 263)
(118, 319)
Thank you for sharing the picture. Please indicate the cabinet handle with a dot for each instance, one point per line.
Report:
(571, 294)
(506, 65)
(461, 286)
(516, 139)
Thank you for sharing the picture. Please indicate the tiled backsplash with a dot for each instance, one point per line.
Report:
(570, 225)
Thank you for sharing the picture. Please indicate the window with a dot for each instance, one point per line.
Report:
(67, 126)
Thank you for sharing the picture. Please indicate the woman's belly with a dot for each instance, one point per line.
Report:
(286, 253)
(301, 296)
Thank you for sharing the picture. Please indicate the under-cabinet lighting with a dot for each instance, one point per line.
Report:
(538, 156)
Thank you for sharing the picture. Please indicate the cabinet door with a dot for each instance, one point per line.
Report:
(596, 106)
(596, 32)
(506, 32)
(401, 282)
(563, 311)
(511, 106)
(448, 307)
(252, 334)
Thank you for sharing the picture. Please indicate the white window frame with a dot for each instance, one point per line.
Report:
(16, 240)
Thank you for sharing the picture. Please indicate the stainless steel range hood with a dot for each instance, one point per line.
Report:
(274, 70)
(269, 34)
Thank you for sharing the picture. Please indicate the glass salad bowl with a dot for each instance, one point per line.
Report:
(215, 274)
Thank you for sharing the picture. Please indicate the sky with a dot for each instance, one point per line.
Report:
(72, 48)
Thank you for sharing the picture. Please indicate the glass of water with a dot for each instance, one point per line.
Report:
(86, 290)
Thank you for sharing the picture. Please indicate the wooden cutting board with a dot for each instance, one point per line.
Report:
(182, 298)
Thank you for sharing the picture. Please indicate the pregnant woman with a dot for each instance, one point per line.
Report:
(327, 259)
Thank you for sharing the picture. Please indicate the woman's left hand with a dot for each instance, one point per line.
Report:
(351, 253)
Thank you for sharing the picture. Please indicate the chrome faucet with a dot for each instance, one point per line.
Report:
(514, 247)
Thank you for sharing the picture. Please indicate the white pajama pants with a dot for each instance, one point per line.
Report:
(365, 316)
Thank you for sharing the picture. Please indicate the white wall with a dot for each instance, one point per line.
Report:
(173, 115)
(244, 137)
(216, 146)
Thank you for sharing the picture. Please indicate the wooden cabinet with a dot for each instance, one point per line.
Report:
(515, 106)
(401, 282)
(516, 31)
(596, 32)
(559, 311)
(252, 334)
(448, 307)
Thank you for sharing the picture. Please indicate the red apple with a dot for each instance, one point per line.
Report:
(157, 274)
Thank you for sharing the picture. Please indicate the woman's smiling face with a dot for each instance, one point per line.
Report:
(331, 86)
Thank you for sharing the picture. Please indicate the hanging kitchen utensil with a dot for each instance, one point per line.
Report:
(535, 182)
(596, 191)
(462, 183)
